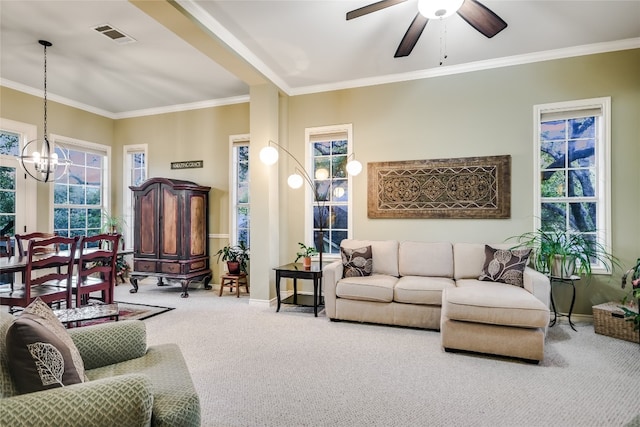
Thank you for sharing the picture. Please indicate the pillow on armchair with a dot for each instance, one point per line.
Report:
(41, 354)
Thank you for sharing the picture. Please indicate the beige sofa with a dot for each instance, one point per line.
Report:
(436, 286)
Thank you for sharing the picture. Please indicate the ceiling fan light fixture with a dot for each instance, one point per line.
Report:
(438, 9)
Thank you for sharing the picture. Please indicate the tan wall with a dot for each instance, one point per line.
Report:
(62, 120)
(480, 114)
(190, 135)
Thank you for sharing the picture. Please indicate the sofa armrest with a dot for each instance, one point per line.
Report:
(331, 274)
(538, 284)
(109, 343)
(125, 400)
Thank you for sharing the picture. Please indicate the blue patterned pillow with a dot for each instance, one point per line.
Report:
(357, 262)
(504, 265)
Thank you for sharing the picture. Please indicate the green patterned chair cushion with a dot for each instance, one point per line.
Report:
(7, 386)
(119, 401)
(176, 402)
(108, 343)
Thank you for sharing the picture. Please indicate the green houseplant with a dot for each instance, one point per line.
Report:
(112, 224)
(236, 257)
(305, 253)
(630, 315)
(562, 254)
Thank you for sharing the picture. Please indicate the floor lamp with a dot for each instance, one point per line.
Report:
(269, 156)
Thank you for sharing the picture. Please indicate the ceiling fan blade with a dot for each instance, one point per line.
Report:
(481, 18)
(411, 36)
(373, 7)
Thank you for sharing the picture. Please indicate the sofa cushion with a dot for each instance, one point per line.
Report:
(40, 352)
(425, 259)
(494, 303)
(421, 290)
(384, 254)
(468, 258)
(377, 287)
(356, 262)
(504, 265)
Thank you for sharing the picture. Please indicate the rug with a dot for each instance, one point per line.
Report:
(132, 311)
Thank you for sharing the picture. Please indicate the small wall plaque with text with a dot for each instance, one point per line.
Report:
(191, 164)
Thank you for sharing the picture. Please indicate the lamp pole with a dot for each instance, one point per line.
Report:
(269, 155)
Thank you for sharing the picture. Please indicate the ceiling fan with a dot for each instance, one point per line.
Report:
(475, 13)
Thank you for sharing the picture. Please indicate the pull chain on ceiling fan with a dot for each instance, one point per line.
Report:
(475, 13)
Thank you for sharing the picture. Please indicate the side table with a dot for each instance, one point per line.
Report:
(571, 280)
(297, 271)
(232, 280)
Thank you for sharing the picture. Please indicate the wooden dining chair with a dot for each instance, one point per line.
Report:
(6, 251)
(22, 242)
(96, 268)
(47, 275)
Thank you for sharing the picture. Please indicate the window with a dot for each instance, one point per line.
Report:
(328, 149)
(80, 196)
(573, 170)
(135, 173)
(9, 147)
(17, 194)
(240, 230)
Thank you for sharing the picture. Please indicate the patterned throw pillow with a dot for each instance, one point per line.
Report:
(40, 352)
(357, 262)
(504, 265)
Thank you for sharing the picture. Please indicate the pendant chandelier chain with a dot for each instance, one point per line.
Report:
(45, 92)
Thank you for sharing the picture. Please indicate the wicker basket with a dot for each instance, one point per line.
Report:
(609, 320)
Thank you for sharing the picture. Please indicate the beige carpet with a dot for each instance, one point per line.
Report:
(255, 367)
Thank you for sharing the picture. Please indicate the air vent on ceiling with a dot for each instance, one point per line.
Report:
(114, 34)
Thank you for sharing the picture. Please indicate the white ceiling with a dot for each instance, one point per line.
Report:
(302, 46)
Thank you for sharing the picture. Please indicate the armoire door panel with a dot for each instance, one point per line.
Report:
(147, 223)
(169, 224)
(198, 226)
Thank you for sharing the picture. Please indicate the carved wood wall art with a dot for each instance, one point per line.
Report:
(469, 187)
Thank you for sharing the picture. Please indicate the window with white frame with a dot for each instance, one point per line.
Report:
(240, 226)
(327, 152)
(81, 195)
(572, 170)
(135, 173)
(18, 200)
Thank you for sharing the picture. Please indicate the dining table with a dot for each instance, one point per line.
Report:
(18, 264)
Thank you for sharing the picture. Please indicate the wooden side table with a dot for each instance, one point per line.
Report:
(297, 271)
(232, 280)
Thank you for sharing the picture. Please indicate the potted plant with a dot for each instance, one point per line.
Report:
(112, 224)
(562, 254)
(305, 253)
(236, 257)
(631, 315)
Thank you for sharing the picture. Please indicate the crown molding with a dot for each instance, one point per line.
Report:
(549, 55)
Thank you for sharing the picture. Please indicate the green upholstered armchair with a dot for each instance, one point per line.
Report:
(129, 384)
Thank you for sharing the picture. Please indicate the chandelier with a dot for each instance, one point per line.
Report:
(38, 159)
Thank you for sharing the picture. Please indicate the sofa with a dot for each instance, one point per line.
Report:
(436, 286)
(129, 384)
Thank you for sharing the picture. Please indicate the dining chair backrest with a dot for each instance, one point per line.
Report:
(6, 249)
(58, 264)
(97, 267)
(22, 242)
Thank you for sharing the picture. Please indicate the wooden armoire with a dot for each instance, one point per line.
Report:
(171, 233)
